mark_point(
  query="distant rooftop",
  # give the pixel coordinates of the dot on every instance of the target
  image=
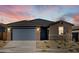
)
(75, 27)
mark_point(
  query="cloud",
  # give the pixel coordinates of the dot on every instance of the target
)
(16, 12)
(49, 12)
(76, 19)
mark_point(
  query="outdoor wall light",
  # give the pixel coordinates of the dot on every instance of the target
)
(38, 29)
(9, 29)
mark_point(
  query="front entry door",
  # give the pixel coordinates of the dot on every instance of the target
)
(44, 34)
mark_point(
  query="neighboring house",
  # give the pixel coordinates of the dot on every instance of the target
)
(3, 33)
(29, 30)
(75, 33)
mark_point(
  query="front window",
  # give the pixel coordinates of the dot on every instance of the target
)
(60, 30)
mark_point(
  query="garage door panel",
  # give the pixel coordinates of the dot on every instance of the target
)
(23, 34)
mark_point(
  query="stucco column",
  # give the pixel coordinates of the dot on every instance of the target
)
(37, 37)
(8, 33)
(5, 36)
(37, 33)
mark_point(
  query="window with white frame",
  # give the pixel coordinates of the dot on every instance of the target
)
(60, 30)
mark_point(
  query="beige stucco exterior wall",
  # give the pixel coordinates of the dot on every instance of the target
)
(38, 42)
(4, 36)
(37, 31)
(4, 41)
(8, 34)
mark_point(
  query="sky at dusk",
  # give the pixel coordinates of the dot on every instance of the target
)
(13, 13)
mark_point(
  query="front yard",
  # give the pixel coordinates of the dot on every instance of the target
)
(40, 46)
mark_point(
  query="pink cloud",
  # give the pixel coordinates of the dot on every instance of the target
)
(16, 12)
(76, 19)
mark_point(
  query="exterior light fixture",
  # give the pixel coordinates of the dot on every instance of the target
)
(9, 29)
(38, 29)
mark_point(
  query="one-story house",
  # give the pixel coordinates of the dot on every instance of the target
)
(38, 30)
(75, 33)
(29, 30)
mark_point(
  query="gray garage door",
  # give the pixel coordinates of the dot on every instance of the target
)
(23, 34)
